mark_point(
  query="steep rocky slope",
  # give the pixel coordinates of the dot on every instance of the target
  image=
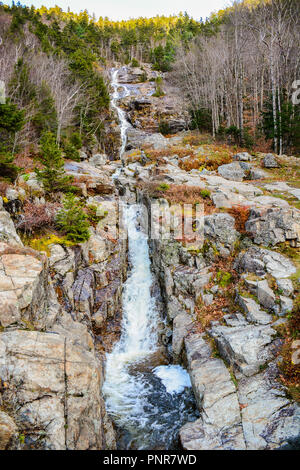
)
(52, 310)
(226, 297)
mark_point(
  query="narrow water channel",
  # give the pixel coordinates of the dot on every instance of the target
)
(124, 124)
(148, 399)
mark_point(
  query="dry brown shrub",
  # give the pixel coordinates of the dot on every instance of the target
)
(241, 215)
(196, 139)
(3, 187)
(26, 163)
(179, 194)
(37, 216)
(181, 152)
(289, 353)
(224, 298)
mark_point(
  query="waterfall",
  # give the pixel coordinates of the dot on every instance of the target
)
(148, 401)
(124, 124)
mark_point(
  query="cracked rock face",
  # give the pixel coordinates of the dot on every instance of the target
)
(24, 291)
(232, 171)
(55, 388)
(8, 430)
(8, 232)
(270, 421)
(219, 426)
(260, 261)
(244, 347)
(270, 226)
(251, 413)
(221, 229)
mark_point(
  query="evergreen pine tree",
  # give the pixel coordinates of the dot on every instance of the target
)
(72, 220)
(53, 175)
(11, 121)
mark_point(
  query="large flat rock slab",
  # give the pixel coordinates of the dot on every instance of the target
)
(56, 388)
(219, 426)
(23, 286)
(244, 347)
(270, 420)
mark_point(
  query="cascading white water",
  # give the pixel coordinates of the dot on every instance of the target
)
(142, 403)
(148, 403)
(124, 124)
(139, 337)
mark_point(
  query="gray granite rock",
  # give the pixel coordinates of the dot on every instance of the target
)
(219, 426)
(232, 171)
(270, 161)
(269, 420)
(254, 314)
(244, 347)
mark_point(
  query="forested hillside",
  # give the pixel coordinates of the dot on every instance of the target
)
(236, 69)
(53, 65)
(240, 81)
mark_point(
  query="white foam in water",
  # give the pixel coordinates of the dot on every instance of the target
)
(124, 124)
(174, 378)
(139, 332)
(137, 401)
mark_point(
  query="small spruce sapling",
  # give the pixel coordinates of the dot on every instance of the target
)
(72, 220)
(53, 175)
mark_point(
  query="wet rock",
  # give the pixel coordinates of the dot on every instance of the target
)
(270, 161)
(201, 436)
